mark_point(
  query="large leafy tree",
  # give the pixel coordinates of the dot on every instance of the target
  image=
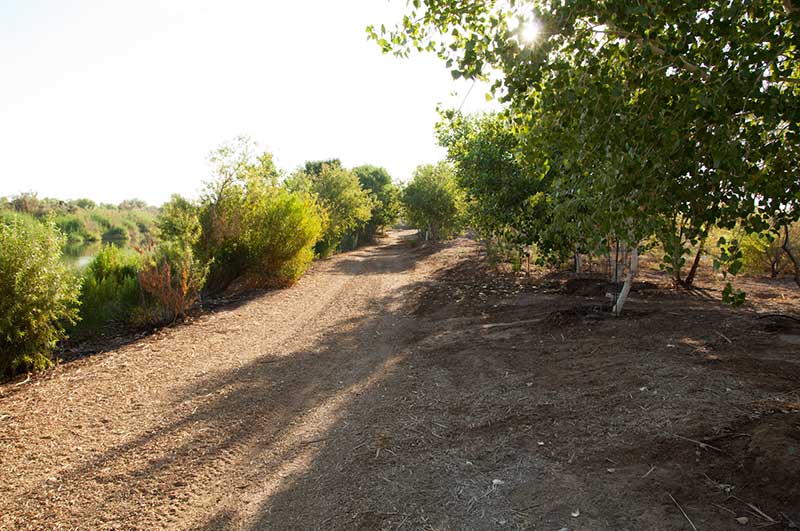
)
(654, 117)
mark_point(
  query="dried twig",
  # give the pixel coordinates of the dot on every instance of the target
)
(724, 508)
(313, 441)
(649, 471)
(723, 336)
(678, 505)
(758, 512)
(701, 444)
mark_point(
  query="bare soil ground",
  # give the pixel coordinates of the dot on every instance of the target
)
(401, 387)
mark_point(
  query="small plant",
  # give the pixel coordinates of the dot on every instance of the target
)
(38, 295)
(171, 280)
(110, 290)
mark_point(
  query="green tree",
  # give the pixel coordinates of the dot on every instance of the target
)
(386, 197)
(658, 118)
(240, 174)
(433, 202)
(132, 204)
(179, 221)
(314, 167)
(348, 206)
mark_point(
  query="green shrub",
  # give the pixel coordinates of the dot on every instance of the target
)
(74, 227)
(110, 290)
(281, 230)
(249, 226)
(179, 221)
(763, 253)
(38, 295)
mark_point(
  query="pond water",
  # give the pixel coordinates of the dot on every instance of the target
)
(78, 256)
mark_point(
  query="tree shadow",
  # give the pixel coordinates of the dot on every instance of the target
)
(268, 412)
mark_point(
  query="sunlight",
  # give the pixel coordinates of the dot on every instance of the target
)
(531, 31)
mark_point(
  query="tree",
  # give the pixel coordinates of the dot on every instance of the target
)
(314, 167)
(178, 221)
(338, 191)
(433, 202)
(660, 118)
(385, 194)
(132, 204)
(238, 173)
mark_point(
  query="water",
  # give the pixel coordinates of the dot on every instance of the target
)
(78, 255)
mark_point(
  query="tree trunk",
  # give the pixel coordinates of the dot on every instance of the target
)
(578, 264)
(791, 256)
(693, 271)
(626, 288)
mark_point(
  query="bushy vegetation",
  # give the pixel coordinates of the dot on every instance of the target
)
(38, 294)
(433, 202)
(282, 228)
(110, 290)
(251, 227)
(348, 206)
(171, 279)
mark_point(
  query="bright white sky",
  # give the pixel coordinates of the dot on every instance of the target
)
(119, 99)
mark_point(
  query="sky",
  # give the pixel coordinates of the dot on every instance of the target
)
(117, 99)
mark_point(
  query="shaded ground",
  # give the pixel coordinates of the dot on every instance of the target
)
(408, 388)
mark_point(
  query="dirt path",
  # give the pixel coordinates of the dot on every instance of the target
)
(207, 420)
(402, 388)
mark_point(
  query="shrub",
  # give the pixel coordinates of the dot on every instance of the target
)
(178, 221)
(764, 253)
(239, 177)
(74, 227)
(110, 290)
(38, 295)
(250, 227)
(171, 279)
(281, 230)
(116, 234)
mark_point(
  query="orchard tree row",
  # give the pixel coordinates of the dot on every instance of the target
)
(624, 122)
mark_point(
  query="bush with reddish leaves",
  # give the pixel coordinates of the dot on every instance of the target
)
(171, 280)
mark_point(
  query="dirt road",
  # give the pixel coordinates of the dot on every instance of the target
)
(394, 389)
